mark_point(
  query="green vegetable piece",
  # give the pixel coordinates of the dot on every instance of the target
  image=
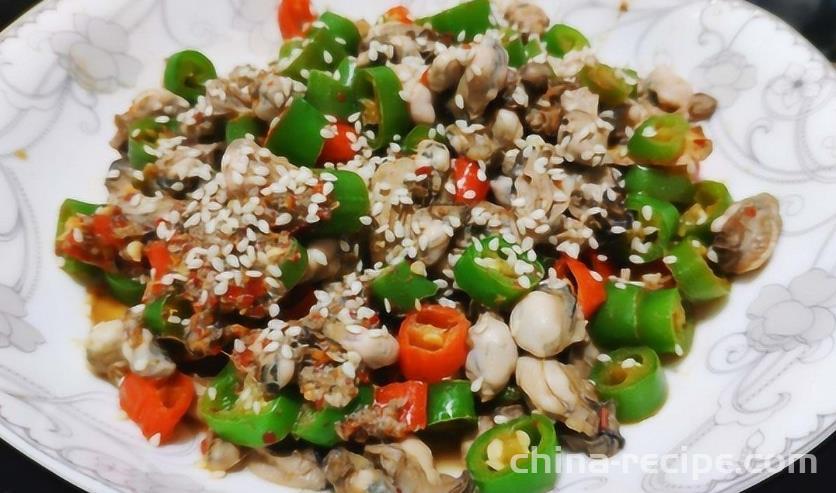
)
(513, 44)
(417, 135)
(158, 313)
(657, 214)
(124, 289)
(320, 51)
(402, 287)
(486, 276)
(186, 74)
(511, 394)
(662, 323)
(342, 29)
(450, 401)
(347, 72)
(612, 87)
(294, 266)
(143, 135)
(533, 477)
(634, 379)
(70, 208)
(659, 140)
(470, 18)
(662, 184)
(331, 97)
(289, 46)
(235, 423)
(239, 128)
(319, 427)
(633, 316)
(352, 198)
(694, 277)
(85, 274)
(379, 91)
(297, 134)
(561, 39)
(616, 323)
(711, 199)
(533, 48)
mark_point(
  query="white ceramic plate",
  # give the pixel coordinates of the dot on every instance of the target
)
(759, 378)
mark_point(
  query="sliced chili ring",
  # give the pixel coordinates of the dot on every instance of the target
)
(634, 379)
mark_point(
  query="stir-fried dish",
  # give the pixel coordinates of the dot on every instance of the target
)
(462, 226)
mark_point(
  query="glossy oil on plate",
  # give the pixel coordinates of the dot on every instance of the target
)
(758, 381)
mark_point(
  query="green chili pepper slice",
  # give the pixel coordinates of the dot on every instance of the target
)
(511, 394)
(186, 74)
(320, 51)
(239, 423)
(450, 402)
(85, 274)
(517, 57)
(533, 48)
(617, 321)
(143, 135)
(351, 197)
(634, 379)
(70, 208)
(295, 264)
(289, 46)
(319, 426)
(470, 18)
(345, 32)
(662, 323)
(670, 186)
(659, 140)
(239, 128)
(711, 199)
(124, 289)
(347, 72)
(657, 214)
(561, 39)
(486, 275)
(497, 475)
(330, 96)
(157, 314)
(694, 277)
(384, 111)
(417, 135)
(402, 287)
(612, 88)
(297, 134)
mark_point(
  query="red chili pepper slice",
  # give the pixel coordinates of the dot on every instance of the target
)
(433, 343)
(156, 405)
(399, 13)
(338, 149)
(414, 410)
(471, 183)
(295, 17)
(591, 292)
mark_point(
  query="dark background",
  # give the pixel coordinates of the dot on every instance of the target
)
(816, 19)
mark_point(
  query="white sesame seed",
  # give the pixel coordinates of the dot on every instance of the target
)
(155, 439)
(476, 385)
